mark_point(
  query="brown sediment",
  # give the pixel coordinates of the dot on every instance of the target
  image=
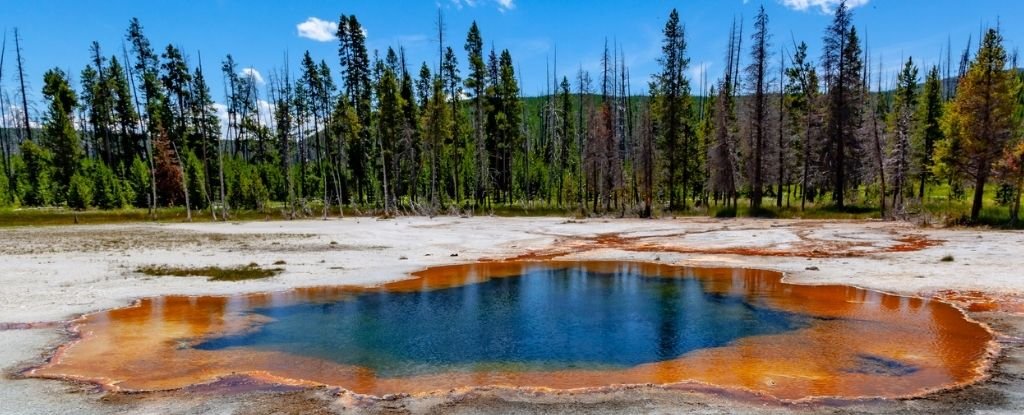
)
(978, 301)
(31, 326)
(808, 246)
(147, 346)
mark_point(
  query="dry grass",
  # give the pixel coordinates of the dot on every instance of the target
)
(238, 273)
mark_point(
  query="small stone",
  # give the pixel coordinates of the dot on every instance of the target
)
(403, 258)
(811, 268)
(455, 254)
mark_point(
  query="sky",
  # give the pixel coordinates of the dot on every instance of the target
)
(261, 34)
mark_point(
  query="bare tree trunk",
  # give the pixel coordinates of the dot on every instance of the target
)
(782, 120)
(184, 181)
(4, 137)
(145, 133)
(21, 80)
(878, 154)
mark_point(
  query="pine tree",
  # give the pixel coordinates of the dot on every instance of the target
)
(900, 123)
(60, 136)
(476, 88)
(802, 97)
(928, 130)
(355, 64)
(98, 100)
(453, 89)
(674, 108)
(842, 64)
(176, 79)
(389, 124)
(125, 118)
(981, 115)
(313, 83)
(565, 131)
(757, 74)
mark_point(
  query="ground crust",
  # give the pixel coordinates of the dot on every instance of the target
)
(53, 274)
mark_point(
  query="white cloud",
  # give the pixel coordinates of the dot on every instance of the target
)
(826, 6)
(697, 72)
(504, 5)
(16, 115)
(317, 29)
(265, 108)
(222, 115)
(256, 76)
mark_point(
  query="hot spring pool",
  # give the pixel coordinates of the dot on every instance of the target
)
(562, 325)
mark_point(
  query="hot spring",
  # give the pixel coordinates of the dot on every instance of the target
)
(561, 325)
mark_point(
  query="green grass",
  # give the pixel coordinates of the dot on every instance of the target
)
(64, 216)
(238, 273)
(936, 208)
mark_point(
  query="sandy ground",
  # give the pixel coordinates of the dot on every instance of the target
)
(50, 275)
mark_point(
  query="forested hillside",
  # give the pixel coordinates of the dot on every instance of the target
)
(367, 131)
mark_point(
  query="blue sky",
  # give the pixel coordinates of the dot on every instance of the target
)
(57, 33)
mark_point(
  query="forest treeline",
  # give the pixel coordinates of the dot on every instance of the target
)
(778, 128)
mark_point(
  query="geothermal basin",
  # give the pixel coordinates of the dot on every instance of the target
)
(541, 324)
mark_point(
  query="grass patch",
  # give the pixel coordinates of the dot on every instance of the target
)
(49, 216)
(239, 273)
(940, 206)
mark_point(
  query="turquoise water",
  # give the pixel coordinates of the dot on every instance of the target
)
(543, 319)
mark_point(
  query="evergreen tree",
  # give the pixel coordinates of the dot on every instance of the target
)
(389, 124)
(476, 89)
(60, 136)
(801, 104)
(98, 100)
(38, 161)
(928, 130)
(757, 74)
(125, 118)
(355, 64)
(842, 65)
(674, 111)
(453, 88)
(900, 123)
(176, 79)
(981, 116)
(567, 144)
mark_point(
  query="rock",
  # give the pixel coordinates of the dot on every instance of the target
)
(811, 268)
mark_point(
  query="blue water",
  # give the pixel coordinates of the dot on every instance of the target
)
(544, 319)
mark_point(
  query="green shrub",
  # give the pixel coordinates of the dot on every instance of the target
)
(138, 181)
(196, 179)
(80, 192)
(41, 189)
(274, 180)
(5, 188)
(246, 189)
(107, 188)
